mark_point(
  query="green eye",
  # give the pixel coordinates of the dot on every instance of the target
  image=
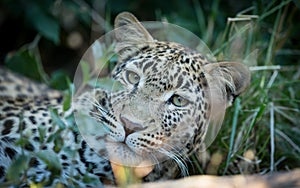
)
(178, 101)
(132, 77)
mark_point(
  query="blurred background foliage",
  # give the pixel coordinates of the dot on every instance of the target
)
(62, 30)
(45, 40)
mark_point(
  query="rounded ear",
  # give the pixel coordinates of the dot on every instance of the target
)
(129, 33)
(231, 77)
(128, 28)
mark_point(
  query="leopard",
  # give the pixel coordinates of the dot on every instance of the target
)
(171, 95)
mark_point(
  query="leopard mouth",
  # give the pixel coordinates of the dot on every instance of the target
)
(121, 153)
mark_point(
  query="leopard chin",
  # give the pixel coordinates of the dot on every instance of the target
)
(121, 154)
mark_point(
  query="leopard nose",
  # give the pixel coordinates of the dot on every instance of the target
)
(130, 126)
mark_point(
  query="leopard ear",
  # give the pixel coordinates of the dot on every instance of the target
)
(129, 32)
(231, 79)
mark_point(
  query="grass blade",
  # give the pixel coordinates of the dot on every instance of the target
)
(237, 105)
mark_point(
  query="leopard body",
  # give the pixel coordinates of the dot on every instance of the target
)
(171, 94)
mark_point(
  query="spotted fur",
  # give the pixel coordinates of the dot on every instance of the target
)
(171, 94)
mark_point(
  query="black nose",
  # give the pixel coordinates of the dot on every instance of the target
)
(130, 126)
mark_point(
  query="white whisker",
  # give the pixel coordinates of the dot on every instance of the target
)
(180, 162)
(177, 157)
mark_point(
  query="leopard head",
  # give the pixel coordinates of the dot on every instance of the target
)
(171, 94)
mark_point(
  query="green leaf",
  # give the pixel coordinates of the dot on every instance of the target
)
(23, 141)
(85, 67)
(42, 133)
(51, 160)
(25, 63)
(58, 144)
(59, 80)
(57, 119)
(53, 136)
(68, 96)
(17, 168)
(43, 22)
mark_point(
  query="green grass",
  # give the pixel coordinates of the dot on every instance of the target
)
(261, 130)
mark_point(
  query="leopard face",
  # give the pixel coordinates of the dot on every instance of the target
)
(170, 96)
(158, 111)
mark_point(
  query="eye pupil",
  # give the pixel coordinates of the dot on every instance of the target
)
(132, 77)
(178, 101)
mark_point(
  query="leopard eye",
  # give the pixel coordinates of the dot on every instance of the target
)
(179, 101)
(132, 77)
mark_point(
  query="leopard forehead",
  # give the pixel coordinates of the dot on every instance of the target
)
(169, 52)
(164, 61)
